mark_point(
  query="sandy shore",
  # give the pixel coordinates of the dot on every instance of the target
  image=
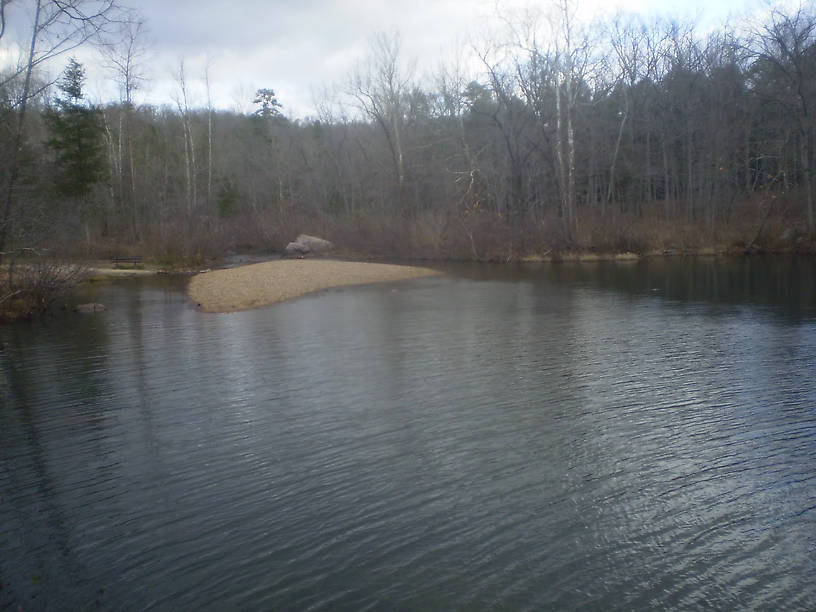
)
(102, 271)
(266, 283)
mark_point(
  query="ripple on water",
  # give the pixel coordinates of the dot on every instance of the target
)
(459, 444)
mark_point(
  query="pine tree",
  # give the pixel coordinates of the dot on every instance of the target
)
(76, 136)
(270, 107)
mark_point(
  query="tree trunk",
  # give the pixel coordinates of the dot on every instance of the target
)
(666, 195)
(804, 154)
(611, 187)
(559, 152)
(571, 205)
(689, 177)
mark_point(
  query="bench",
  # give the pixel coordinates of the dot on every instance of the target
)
(126, 259)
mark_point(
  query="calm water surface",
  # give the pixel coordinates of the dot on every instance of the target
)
(638, 436)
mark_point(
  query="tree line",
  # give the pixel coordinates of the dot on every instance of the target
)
(616, 136)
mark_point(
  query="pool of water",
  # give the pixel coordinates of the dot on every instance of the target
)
(606, 435)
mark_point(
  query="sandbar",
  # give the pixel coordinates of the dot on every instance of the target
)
(263, 284)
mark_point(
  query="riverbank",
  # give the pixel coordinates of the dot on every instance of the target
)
(582, 256)
(99, 272)
(35, 286)
(263, 284)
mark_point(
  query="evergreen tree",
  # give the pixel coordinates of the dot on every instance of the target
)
(76, 136)
(270, 107)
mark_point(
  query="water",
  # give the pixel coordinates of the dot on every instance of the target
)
(632, 436)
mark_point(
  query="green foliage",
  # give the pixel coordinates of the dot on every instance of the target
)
(76, 136)
(227, 197)
(71, 84)
(479, 98)
(270, 107)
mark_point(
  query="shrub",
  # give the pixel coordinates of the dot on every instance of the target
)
(33, 286)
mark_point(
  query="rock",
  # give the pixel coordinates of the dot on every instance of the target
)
(296, 248)
(89, 308)
(305, 244)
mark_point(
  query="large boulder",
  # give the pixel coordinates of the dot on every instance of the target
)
(305, 244)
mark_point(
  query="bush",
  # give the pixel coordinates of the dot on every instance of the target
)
(33, 286)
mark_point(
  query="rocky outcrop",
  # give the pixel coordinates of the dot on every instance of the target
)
(89, 308)
(305, 245)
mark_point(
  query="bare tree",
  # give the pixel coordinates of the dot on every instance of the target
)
(626, 40)
(125, 57)
(571, 58)
(785, 51)
(513, 120)
(189, 145)
(380, 88)
(452, 102)
(209, 135)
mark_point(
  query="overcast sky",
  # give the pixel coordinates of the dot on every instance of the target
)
(300, 47)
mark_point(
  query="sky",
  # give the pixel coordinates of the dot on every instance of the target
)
(305, 48)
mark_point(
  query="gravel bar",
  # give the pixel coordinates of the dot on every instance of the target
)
(262, 284)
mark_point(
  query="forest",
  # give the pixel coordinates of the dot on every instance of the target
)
(558, 138)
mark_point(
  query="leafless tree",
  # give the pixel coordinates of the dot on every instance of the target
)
(190, 168)
(571, 59)
(209, 135)
(126, 57)
(785, 50)
(380, 87)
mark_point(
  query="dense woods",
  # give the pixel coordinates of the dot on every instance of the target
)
(621, 136)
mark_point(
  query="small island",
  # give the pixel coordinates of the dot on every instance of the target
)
(263, 284)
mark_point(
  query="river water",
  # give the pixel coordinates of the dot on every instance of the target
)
(611, 436)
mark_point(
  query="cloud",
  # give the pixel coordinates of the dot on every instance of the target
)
(297, 47)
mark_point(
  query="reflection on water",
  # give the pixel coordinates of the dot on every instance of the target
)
(785, 285)
(636, 436)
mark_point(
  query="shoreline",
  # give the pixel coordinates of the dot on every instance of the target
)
(263, 284)
(99, 270)
(261, 290)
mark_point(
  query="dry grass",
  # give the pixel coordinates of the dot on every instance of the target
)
(266, 283)
(482, 235)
